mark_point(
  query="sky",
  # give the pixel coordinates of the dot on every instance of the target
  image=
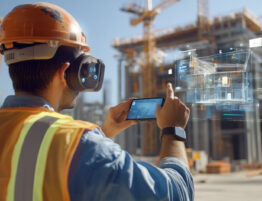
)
(102, 21)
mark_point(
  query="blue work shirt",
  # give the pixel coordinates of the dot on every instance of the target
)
(101, 170)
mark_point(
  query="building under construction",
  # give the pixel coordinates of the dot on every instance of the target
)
(223, 91)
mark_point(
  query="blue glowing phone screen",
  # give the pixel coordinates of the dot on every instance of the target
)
(144, 108)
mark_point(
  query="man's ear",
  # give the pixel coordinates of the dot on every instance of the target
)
(61, 73)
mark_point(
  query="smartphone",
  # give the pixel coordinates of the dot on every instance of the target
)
(144, 109)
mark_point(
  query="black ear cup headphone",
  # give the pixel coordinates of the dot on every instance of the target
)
(85, 73)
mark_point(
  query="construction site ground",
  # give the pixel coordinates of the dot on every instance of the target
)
(228, 187)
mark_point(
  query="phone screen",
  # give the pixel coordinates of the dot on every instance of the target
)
(143, 109)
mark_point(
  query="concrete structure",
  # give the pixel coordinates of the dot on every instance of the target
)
(225, 129)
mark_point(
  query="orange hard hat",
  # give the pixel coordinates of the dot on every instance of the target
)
(41, 23)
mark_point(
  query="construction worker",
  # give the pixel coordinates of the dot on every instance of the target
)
(48, 156)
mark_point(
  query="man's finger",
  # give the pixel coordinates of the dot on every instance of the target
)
(125, 124)
(169, 91)
(123, 106)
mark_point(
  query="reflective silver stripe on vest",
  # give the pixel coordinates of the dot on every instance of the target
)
(28, 157)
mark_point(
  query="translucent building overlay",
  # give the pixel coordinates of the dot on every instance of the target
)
(223, 78)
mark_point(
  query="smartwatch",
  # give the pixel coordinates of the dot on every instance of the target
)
(178, 133)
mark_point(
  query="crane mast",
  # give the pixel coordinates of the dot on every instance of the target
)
(0, 54)
(147, 16)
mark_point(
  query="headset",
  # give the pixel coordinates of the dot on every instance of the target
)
(85, 73)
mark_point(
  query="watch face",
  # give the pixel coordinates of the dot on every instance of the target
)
(180, 133)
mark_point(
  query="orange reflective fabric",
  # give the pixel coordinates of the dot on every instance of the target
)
(59, 158)
(60, 154)
(11, 124)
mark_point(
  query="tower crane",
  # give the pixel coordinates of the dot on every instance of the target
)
(0, 54)
(146, 16)
(0, 57)
(203, 18)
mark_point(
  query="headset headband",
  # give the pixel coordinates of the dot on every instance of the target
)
(36, 52)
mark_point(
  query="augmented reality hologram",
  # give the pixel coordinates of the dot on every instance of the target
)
(223, 78)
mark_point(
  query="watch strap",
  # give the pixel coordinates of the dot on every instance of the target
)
(178, 133)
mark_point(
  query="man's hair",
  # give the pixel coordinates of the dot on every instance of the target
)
(35, 75)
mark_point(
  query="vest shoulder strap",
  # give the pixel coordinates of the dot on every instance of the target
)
(42, 157)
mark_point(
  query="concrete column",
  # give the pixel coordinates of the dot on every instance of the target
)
(120, 139)
(195, 126)
(250, 133)
(120, 61)
(216, 135)
(258, 135)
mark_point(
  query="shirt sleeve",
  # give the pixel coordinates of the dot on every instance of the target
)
(101, 170)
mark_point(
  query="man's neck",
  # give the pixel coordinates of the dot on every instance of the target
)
(25, 100)
(52, 100)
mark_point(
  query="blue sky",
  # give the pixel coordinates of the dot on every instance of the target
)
(102, 21)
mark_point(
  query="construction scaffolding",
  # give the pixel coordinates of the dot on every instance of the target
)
(222, 30)
(218, 129)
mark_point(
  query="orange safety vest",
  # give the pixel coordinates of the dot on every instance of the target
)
(36, 150)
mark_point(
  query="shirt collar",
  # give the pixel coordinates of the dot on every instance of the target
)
(26, 101)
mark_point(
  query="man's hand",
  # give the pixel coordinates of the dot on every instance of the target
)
(116, 119)
(173, 113)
